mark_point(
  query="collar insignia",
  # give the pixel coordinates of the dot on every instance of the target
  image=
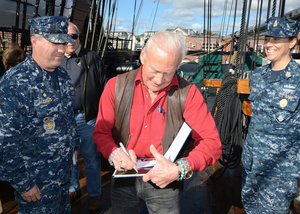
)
(288, 74)
(283, 103)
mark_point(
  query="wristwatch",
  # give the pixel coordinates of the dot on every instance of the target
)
(188, 174)
(188, 171)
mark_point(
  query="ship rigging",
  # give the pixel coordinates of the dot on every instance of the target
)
(236, 49)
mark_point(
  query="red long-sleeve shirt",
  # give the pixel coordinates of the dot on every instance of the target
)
(147, 123)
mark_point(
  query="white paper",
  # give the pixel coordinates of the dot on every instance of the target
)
(178, 142)
(145, 164)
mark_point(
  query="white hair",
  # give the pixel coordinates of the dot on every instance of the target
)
(75, 27)
(168, 41)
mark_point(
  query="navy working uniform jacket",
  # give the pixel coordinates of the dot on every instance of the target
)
(273, 142)
(37, 127)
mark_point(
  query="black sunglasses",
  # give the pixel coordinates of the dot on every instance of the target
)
(74, 36)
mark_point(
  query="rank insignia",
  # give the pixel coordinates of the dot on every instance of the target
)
(283, 103)
(288, 74)
(46, 101)
(49, 125)
(72, 91)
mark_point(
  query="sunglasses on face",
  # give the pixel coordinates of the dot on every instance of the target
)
(74, 36)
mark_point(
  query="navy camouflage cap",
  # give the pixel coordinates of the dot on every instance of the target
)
(282, 27)
(52, 28)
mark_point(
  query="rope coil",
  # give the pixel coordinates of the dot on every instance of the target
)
(228, 118)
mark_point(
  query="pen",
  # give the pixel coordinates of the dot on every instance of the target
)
(160, 110)
(124, 149)
(126, 152)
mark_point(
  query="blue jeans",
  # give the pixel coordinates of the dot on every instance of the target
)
(130, 195)
(91, 158)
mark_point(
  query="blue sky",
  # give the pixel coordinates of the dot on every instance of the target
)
(184, 13)
(170, 14)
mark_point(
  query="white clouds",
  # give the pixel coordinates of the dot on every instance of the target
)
(197, 26)
(181, 4)
(183, 14)
(190, 14)
(121, 21)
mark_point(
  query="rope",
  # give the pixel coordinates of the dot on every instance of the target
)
(233, 28)
(228, 22)
(102, 40)
(223, 19)
(256, 35)
(268, 9)
(228, 118)
(274, 8)
(88, 24)
(112, 9)
(245, 39)
(240, 43)
(209, 12)
(281, 8)
(154, 15)
(204, 23)
(96, 18)
(36, 8)
(136, 21)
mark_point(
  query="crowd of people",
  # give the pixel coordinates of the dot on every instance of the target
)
(57, 103)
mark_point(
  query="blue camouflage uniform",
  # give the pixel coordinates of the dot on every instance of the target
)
(271, 154)
(38, 131)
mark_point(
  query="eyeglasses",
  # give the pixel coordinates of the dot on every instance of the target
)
(74, 36)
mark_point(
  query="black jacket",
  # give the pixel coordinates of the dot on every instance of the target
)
(93, 79)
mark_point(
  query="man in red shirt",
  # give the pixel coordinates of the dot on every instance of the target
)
(144, 109)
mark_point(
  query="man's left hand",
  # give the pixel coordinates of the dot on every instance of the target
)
(164, 172)
(32, 195)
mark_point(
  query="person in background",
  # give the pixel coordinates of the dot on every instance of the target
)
(88, 77)
(37, 125)
(271, 152)
(144, 109)
(12, 56)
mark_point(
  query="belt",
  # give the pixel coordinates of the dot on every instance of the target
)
(78, 111)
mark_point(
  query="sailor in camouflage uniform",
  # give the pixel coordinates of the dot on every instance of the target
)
(271, 154)
(37, 132)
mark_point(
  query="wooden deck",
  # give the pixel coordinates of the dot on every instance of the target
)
(210, 198)
(79, 206)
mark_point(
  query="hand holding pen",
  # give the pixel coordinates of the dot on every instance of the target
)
(124, 149)
(124, 159)
(130, 156)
